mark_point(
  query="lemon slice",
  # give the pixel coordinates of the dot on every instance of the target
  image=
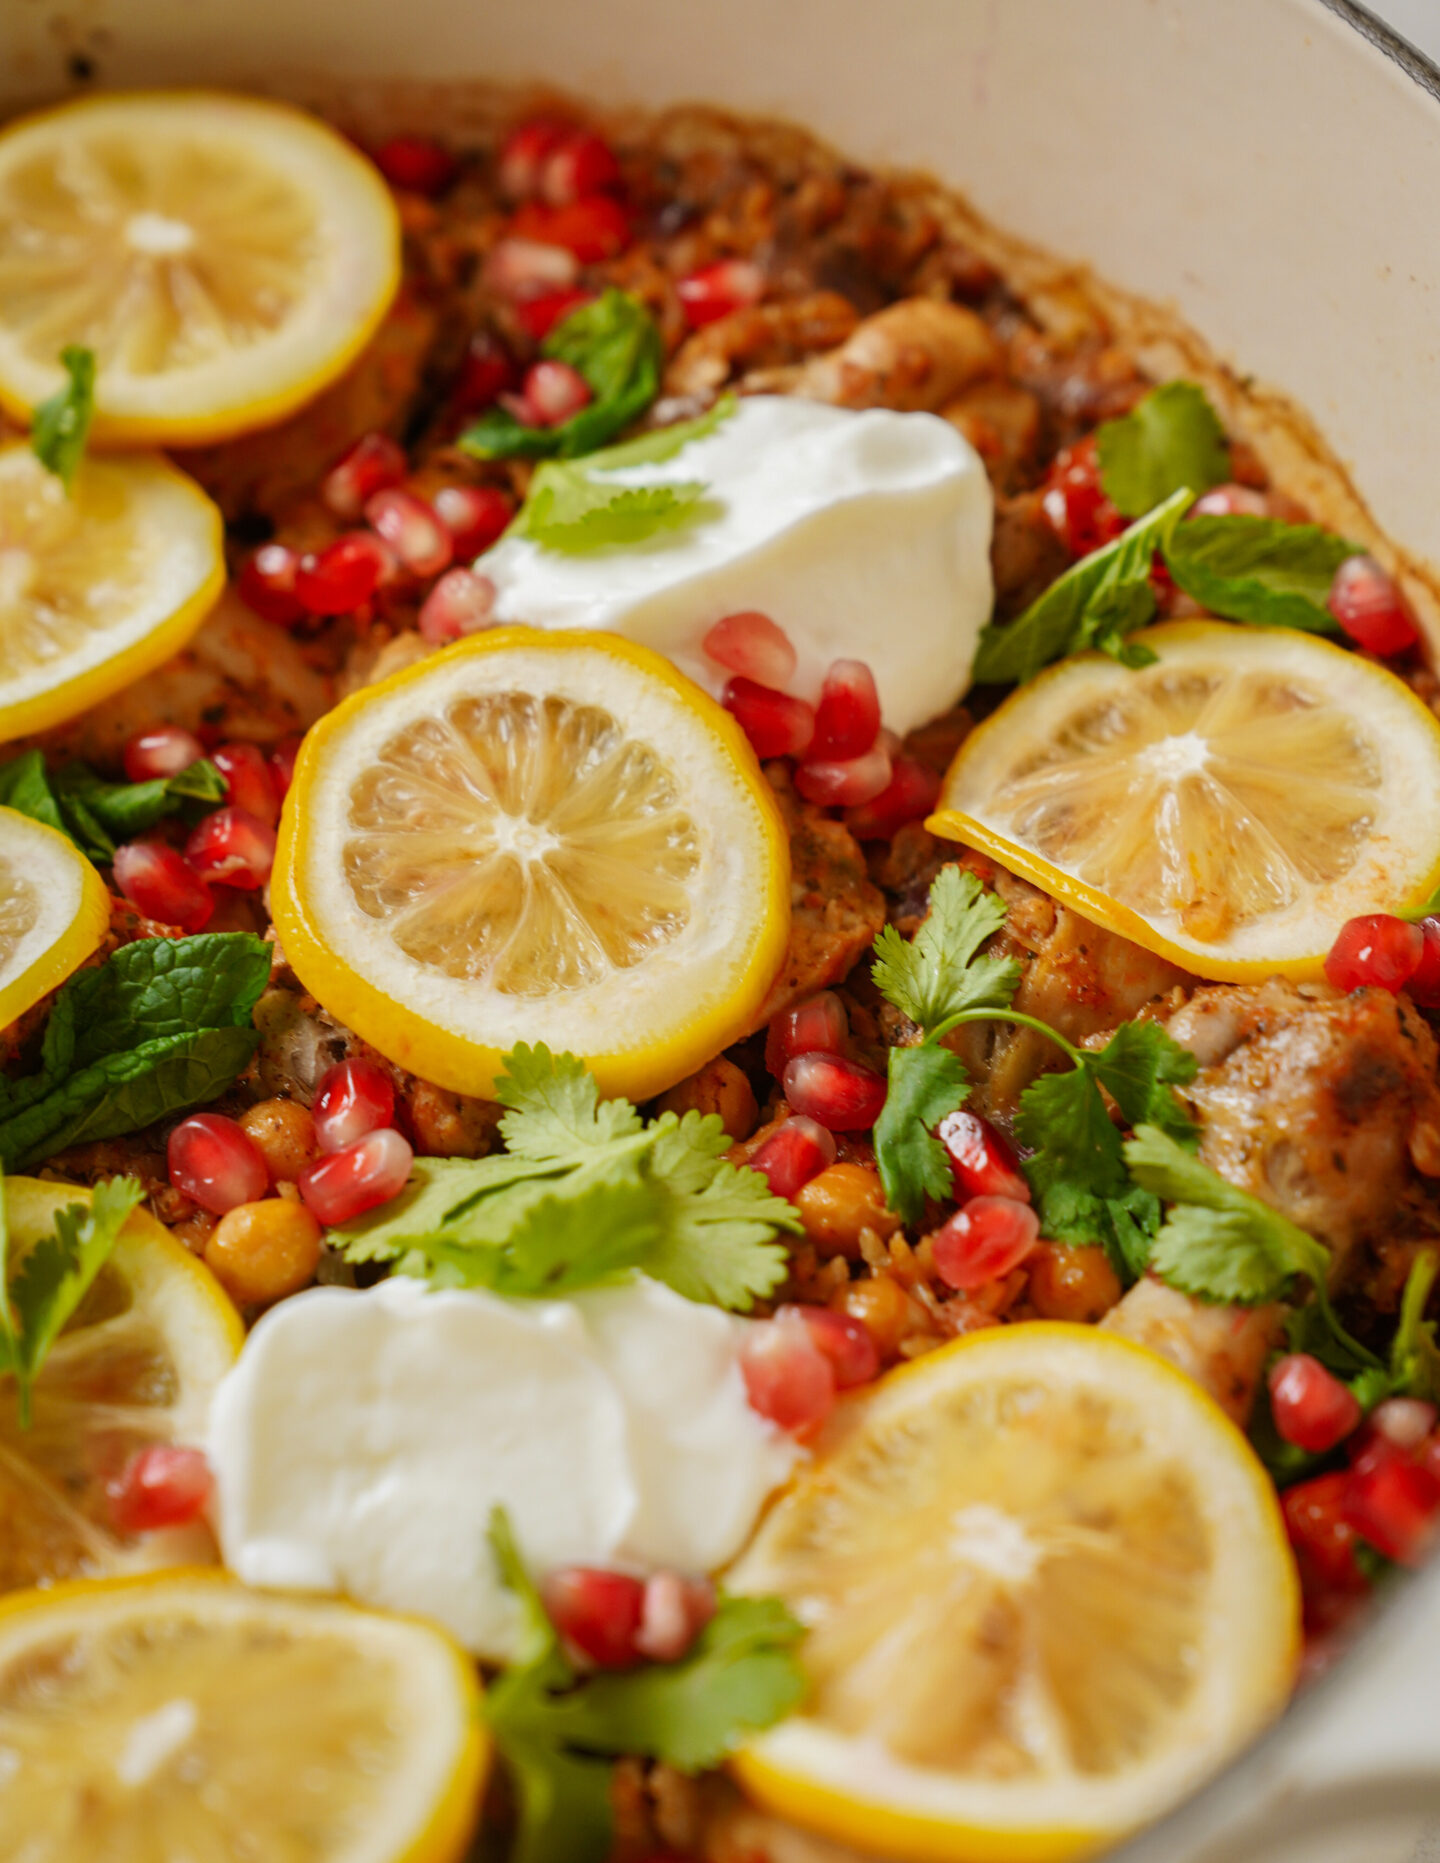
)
(1229, 806)
(224, 257)
(1047, 1590)
(100, 587)
(54, 911)
(534, 837)
(180, 1715)
(137, 1364)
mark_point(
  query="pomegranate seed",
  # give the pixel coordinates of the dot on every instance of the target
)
(845, 1341)
(1312, 1408)
(248, 781)
(158, 883)
(412, 530)
(267, 584)
(232, 847)
(1403, 1421)
(417, 163)
(795, 1151)
(598, 1613)
(372, 464)
(1377, 951)
(984, 1241)
(580, 163)
(523, 154)
(716, 290)
(1429, 1456)
(474, 515)
(1370, 608)
(164, 751)
(460, 603)
(354, 1097)
(843, 1096)
(554, 392)
(530, 268)
(909, 796)
(818, 1024)
(787, 1377)
(342, 575)
(981, 1163)
(847, 719)
(347, 1183)
(848, 784)
(1231, 501)
(1424, 985)
(1318, 1530)
(486, 370)
(776, 724)
(538, 316)
(162, 1486)
(212, 1161)
(1393, 1502)
(675, 1611)
(1074, 501)
(590, 230)
(752, 644)
(282, 765)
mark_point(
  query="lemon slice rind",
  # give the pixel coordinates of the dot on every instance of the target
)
(1395, 869)
(852, 1788)
(425, 1810)
(299, 169)
(164, 540)
(640, 1027)
(47, 881)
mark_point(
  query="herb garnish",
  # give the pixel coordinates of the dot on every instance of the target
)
(559, 1734)
(1259, 570)
(60, 425)
(585, 1192)
(1170, 440)
(96, 814)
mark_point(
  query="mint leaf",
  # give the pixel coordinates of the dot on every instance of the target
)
(926, 1084)
(60, 425)
(937, 975)
(55, 1275)
(1171, 439)
(614, 343)
(1258, 569)
(25, 787)
(95, 814)
(1096, 603)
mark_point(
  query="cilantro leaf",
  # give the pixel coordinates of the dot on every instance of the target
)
(60, 425)
(1138, 1067)
(936, 974)
(614, 343)
(1219, 1243)
(552, 1240)
(1414, 1356)
(663, 444)
(1171, 439)
(1258, 569)
(164, 1024)
(926, 1084)
(555, 1107)
(55, 1275)
(95, 814)
(1097, 602)
(718, 1239)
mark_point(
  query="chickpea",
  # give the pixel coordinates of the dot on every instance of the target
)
(719, 1087)
(838, 1203)
(1071, 1283)
(283, 1133)
(260, 1252)
(882, 1307)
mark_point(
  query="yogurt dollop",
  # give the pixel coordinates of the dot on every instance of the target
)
(865, 535)
(362, 1440)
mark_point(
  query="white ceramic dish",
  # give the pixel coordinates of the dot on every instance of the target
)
(1269, 167)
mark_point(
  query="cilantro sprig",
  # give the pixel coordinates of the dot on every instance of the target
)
(39, 1295)
(96, 814)
(60, 425)
(585, 1192)
(560, 1735)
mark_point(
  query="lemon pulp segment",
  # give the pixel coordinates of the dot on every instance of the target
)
(54, 911)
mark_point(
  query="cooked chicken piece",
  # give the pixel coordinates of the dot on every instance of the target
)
(1222, 1348)
(265, 471)
(1002, 423)
(765, 337)
(239, 676)
(835, 912)
(1322, 1104)
(915, 355)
